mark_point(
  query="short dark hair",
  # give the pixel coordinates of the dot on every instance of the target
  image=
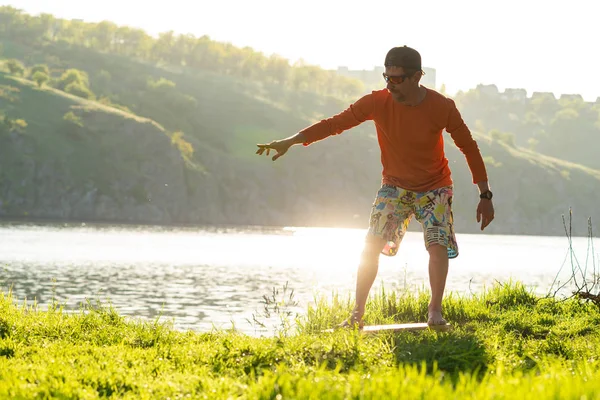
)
(405, 57)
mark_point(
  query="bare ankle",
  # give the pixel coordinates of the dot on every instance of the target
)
(434, 308)
(358, 312)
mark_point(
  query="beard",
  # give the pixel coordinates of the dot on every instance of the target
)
(399, 97)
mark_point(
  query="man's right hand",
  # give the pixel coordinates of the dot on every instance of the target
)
(280, 146)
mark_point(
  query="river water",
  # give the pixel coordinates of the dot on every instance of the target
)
(210, 277)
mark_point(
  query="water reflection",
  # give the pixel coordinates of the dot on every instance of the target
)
(217, 277)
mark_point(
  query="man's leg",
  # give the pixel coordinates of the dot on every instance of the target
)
(438, 271)
(367, 272)
(434, 212)
(387, 223)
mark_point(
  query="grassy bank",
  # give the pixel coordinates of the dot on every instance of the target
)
(507, 343)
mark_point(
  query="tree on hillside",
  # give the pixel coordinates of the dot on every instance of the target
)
(277, 69)
(40, 78)
(40, 68)
(544, 105)
(133, 42)
(163, 86)
(343, 87)
(40, 28)
(10, 125)
(76, 82)
(48, 25)
(181, 47)
(161, 50)
(79, 90)
(15, 67)
(104, 34)
(163, 93)
(75, 32)
(10, 18)
(71, 76)
(198, 53)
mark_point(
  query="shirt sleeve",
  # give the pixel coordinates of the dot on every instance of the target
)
(463, 139)
(354, 115)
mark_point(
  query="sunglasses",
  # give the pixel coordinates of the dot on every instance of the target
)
(394, 79)
(397, 79)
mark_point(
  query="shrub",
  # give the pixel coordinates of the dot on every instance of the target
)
(40, 78)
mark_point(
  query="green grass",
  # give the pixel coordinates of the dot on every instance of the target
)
(507, 343)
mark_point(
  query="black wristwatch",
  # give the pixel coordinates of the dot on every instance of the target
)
(486, 195)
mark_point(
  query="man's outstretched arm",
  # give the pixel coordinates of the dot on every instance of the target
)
(281, 146)
(354, 115)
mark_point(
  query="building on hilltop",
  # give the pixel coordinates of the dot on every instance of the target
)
(369, 78)
(490, 90)
(536, 95)
(576, 97)
(374, 77)
(514, 94)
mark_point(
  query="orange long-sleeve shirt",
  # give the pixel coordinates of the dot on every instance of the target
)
(410, 138)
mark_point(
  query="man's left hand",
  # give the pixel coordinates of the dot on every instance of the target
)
(485, 212)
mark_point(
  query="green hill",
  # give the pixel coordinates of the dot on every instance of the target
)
(155, 142)
(567, 127)
(87, 166)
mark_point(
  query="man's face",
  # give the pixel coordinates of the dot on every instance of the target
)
(398, 83)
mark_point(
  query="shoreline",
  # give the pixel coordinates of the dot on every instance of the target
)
(27, 221)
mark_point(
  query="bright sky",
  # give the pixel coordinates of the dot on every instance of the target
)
(533, 44)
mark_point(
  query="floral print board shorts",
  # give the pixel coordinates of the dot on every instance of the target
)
(394, 207)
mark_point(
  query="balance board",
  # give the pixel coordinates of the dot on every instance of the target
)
(416, 326)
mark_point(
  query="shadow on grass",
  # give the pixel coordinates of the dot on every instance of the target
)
(453, 352)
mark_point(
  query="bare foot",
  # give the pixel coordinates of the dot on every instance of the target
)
(435, 318)
(354, 319)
